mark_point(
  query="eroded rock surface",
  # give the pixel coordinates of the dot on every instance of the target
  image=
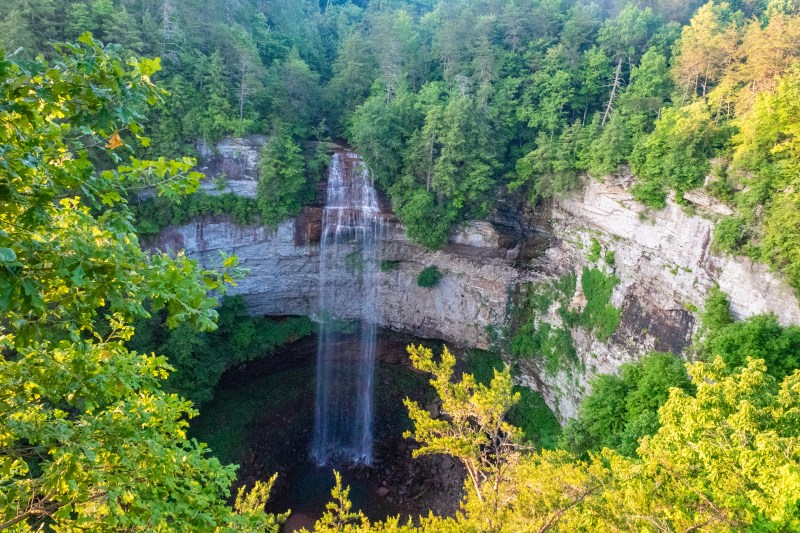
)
(663, 259)
(232, 165)
(666, 267)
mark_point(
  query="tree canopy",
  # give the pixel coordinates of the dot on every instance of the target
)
(89, 438)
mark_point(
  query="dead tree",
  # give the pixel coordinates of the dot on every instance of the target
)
(614, 87)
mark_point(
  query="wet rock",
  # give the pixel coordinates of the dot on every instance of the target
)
(308, 226)
(297, 522)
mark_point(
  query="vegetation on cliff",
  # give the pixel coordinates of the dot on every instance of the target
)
(453, 104)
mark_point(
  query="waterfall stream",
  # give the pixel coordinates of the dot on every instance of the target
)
(352, 227)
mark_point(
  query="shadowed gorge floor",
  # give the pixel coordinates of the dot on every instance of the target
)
(262, 417)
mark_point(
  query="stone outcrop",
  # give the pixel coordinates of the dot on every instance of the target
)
(663, 259)
(282, 278)
(666, 267)
(468, 302)
(232, 165)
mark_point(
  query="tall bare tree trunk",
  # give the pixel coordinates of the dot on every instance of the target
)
(614, 87)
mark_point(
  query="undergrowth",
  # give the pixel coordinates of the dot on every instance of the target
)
(534, 338)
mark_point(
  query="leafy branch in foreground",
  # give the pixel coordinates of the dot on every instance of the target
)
(89, 440)
(474, 428)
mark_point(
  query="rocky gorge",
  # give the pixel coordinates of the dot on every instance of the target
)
(664, 262)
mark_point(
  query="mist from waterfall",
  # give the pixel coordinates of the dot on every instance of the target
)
(352, 227)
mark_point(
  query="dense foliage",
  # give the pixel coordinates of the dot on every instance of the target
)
(200, 358)
(89, 439)
(155, 214)
(623, 408)
(456, 103)
(283, 186)
(758, 337)
(722, 459)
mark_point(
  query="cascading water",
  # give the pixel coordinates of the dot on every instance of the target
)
(351, 229)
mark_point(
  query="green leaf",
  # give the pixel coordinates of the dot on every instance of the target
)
(7, 255)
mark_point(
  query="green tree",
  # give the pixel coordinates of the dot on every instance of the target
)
(623, 408)
(294, 93)
(89, 439)
(248, 71)
(354, 72)
(704, 50)
(759, 336)
(638, 106)
(723, 459)
(78, 20)
(213, 114)
(123, 28)
(676, 154)
(379, 129)
(624, 37)
(31, 24)
(282, 185)
(475, 430)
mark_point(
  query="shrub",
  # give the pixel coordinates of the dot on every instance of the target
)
(386, 265)
(758, 337)
(594, 251)
(429, 277)
(427, 220)
(534, 339)
(730, 235)
(537, 339)
(716, 311)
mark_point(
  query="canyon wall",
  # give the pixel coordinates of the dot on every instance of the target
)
(666, 266)
(663, 260)
(469, 301)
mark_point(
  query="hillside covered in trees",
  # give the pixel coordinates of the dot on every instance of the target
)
(456, 106)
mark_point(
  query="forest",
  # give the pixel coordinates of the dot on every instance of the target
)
(107, 351)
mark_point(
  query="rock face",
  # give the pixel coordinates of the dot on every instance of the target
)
(467, 304)
(666, 267)
(663, 260)
(283, 277)
(232, 165)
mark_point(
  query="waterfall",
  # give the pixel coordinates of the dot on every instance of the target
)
(352, 227)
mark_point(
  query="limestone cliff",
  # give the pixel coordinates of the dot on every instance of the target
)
(665, 265)
(663, 260)
(284, 266)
